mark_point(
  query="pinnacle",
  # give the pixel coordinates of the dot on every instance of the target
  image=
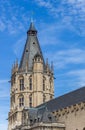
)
(32, 27)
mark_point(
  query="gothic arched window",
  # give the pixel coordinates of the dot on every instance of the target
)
(51, 97)
(30, 101)
(44, 98)
(21, 83)
(50, 81)
(43, 83)
(21, 101)
(30, 83)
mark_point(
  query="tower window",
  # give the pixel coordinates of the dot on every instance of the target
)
(21, 84)
(30, 101)
(44, 98)
(51, 97)
(33, 42)
(30, 83)
(21, 101)
(43, 83)
(50, 81)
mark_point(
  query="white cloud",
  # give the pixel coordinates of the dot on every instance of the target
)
(19, 46)
(69, 12)
(4, 88)
(78, 76)
(2, 26)
(11, 19)
(62, 58)
(3, 81)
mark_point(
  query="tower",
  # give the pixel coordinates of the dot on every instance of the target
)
(32, 81)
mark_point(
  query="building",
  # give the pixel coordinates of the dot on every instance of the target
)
(32, 103)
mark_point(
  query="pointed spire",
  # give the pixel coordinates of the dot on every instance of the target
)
(47, 62)
(32, 29)
(31, 48)
(16, 63)
(47, 65)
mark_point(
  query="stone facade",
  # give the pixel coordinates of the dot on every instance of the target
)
(73, 116)
(32, 81)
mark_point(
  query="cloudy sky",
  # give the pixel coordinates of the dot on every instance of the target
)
(61, 32)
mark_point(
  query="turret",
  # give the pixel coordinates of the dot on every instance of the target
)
(37, 63)
(15, 67)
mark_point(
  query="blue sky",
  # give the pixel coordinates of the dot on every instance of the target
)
(61, 32)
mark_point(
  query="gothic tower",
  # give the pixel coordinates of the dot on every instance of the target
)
(32, 80)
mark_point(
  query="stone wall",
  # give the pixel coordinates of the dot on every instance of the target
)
(72, 116)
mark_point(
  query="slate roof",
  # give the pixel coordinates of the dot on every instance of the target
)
(32, 47)
(72, 98)
(40, 114)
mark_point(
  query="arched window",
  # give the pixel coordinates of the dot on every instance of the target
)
(21, 83)
(51, 97)
(21, 101)
(30, 83)
(50, 81)
(84, 128)
(44, 98)
(43, 83)
(30, 101)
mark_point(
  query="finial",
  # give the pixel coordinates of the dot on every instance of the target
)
(52, 66)
(16, 62)
(47, 65)
(47, 61)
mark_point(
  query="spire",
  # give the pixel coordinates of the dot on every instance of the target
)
(32, 47)
(32, 29)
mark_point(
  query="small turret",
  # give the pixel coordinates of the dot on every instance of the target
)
(38, 63)
(15, 67)
(52, 67)
(47, 66)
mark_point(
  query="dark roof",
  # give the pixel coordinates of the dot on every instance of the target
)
(32, 47)
(40, 114)
(72, 98)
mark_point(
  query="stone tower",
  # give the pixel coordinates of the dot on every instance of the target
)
(32, 80)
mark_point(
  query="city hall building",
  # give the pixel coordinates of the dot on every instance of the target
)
(32, 102)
